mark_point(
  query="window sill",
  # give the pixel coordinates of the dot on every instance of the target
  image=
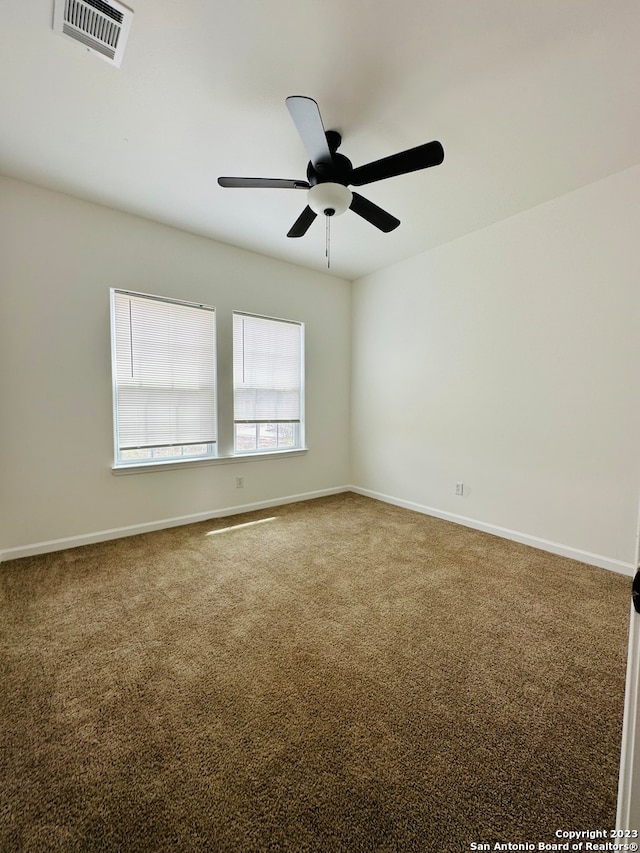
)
(175, 464)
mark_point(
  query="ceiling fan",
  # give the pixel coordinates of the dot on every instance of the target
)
(330, 174)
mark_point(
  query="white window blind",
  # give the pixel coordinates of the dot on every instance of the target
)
(164, 373)
(267, 370)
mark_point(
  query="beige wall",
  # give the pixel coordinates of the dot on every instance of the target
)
(509, 360)
(59, 257)
(506, 360)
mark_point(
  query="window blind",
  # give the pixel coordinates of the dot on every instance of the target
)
(267, 370)
(165, 372)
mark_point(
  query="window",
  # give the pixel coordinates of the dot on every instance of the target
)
(164, 377)
(268, 386)
(165, 383)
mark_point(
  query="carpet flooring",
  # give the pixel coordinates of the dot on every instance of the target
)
(335, 676)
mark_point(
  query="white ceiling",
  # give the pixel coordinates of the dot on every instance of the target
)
(530, 99)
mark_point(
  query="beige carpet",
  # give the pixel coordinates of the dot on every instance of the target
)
(335, 675)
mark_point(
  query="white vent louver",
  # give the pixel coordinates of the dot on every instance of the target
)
(100, 26)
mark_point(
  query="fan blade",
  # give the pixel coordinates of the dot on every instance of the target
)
(421, 157)
(373, 214)
(302, 223)
(266, 183)
(306, 116)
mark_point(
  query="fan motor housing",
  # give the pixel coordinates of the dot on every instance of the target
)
(337, 172)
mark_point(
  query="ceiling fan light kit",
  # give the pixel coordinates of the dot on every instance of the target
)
(329, 198)
(330, 174)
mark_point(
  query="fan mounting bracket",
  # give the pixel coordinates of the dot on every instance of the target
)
(334, 140)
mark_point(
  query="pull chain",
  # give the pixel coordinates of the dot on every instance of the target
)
(328, 241)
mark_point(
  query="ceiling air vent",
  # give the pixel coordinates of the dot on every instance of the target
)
(100, 26)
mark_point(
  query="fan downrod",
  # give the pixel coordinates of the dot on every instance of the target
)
(334, 140)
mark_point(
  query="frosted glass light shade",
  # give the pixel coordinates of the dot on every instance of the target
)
(329, 196)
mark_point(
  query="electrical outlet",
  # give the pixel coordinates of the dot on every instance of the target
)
(459, 488)
(239, 482)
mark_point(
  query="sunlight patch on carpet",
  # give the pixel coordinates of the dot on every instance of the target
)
(241, 526)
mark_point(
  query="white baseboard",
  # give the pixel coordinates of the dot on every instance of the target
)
(147, 527)
(162, 524)
(524, 538)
